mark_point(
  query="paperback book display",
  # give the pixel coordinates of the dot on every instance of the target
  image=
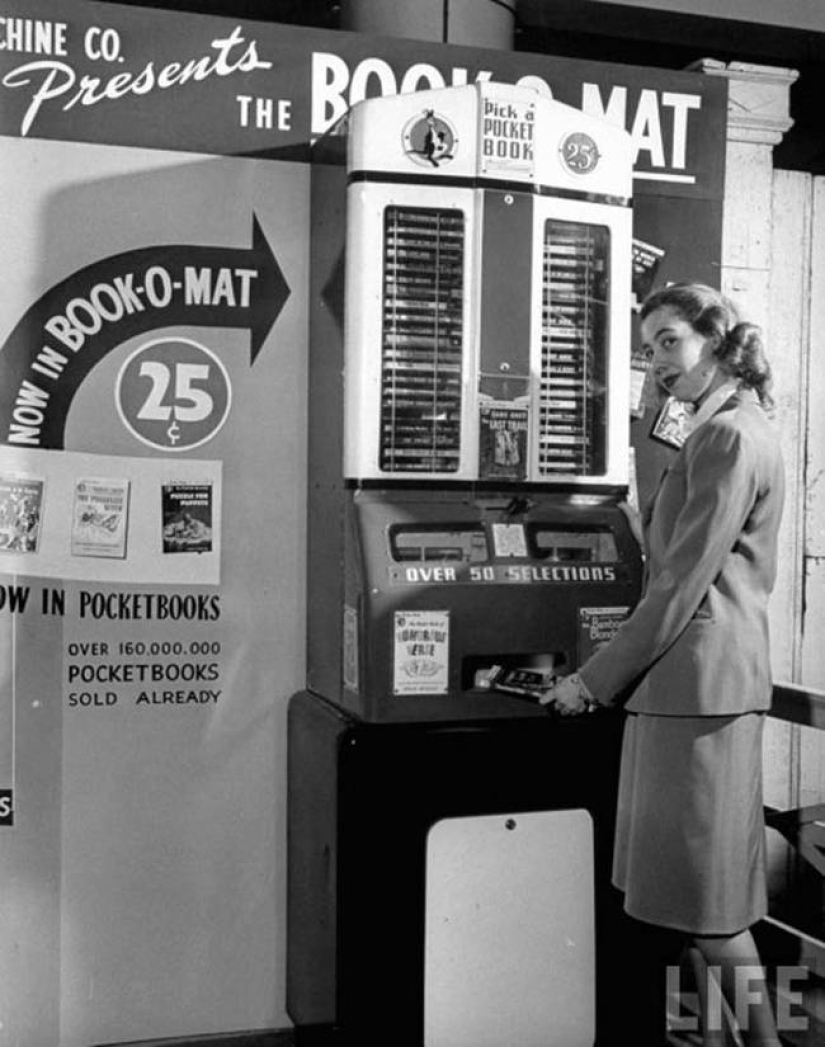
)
(109, 519)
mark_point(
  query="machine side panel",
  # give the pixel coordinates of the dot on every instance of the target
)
(325, 567)
(312, 879)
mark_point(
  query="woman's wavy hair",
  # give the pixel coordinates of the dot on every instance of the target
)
(739, 347)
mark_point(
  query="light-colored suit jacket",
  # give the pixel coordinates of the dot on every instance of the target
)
(697, 642)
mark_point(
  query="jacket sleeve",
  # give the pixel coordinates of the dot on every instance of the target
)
(722, 487)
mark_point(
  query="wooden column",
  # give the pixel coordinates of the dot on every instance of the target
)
(813, 647)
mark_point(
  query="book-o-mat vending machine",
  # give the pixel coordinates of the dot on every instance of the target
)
(449, 837)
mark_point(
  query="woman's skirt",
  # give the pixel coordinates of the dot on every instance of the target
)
(690, 833)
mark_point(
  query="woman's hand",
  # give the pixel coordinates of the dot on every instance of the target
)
(569, 696)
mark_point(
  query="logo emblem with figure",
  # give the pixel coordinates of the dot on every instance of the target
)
(430, 140)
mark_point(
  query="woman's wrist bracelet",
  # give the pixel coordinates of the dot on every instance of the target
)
(586, 695)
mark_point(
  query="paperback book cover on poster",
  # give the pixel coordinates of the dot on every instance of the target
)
(21, 512)
(100, 517)
(187, 516)
(646, 261)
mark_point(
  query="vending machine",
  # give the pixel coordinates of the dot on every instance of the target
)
(450, 837)
(469, 385)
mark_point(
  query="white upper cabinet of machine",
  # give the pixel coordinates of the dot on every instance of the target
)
(488, 290)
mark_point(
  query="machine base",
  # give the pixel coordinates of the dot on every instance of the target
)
(363, 799)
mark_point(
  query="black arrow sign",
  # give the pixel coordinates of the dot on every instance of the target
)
(76, 323)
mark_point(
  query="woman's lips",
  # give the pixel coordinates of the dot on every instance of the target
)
(667, 380)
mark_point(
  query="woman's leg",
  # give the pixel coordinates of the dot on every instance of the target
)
(734, 960)
(717, 1022)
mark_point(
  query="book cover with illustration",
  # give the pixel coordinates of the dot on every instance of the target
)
(502, 438)
(100, 517)
(21, 513)
(187, 517)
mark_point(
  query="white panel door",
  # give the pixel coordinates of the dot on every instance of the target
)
(510, 923)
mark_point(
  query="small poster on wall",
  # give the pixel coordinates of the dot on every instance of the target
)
(21, 511)
(187, 517)
(100, 517)
(646, 261)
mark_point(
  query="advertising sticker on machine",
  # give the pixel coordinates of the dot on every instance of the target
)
(597, 626)
(421, 641)
(507, 136)
(350, 649)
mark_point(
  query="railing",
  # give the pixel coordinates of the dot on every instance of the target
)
(803, 705)
(802, 827)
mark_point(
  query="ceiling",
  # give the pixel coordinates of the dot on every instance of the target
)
(657, 33)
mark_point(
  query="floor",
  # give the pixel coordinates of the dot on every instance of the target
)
(808, 1016)
(813, 1035)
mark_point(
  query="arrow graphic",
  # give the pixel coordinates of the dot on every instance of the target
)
(75, 324)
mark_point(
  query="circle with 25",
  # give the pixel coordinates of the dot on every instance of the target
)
(173, 394)
(580, 153)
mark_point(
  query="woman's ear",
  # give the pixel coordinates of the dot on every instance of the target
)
(710, 350)
(710, 356)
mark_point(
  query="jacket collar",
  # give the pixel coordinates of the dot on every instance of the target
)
(715, 402)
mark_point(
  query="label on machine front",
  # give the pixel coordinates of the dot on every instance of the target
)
(509, 539)
(598, 626)
(463, 555)
(508, 128)
(421, 662)
(350, 667)
(506, 574)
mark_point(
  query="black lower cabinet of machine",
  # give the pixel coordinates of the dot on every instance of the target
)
(405, 837)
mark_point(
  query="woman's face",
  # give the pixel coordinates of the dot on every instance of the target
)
(682, 359)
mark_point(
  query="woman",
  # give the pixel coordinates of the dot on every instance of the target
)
(689, 851)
